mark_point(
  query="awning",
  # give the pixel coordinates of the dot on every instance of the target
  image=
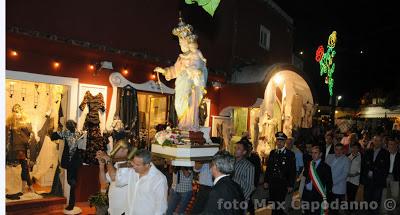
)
(379, 112)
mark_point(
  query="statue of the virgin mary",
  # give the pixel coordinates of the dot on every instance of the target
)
(190, 73)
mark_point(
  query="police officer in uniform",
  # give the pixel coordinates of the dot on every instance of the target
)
(280, 174)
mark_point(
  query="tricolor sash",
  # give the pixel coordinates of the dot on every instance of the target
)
(317, 184)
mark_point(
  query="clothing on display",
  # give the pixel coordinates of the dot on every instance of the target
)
(95, 139)
(13, 180)
(127, 110)
(18, 143)
(46, 129)
(60, 115)
(18, 138)
(172, 117)
(56, 187)
(47, 159)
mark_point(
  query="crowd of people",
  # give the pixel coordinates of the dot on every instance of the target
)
(342, 170)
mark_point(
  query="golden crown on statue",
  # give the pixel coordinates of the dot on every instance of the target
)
(184, 31)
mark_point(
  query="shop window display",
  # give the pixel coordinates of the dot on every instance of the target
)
(33, 110)
(240, 120)
(152, 112)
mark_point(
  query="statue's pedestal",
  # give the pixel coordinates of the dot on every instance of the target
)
(185, 155)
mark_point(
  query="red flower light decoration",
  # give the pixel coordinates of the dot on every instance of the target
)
(319, 53)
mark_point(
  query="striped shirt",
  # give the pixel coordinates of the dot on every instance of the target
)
(244, 176)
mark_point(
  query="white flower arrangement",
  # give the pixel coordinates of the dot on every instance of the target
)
(168, 137)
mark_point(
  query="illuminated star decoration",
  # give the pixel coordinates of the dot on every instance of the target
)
(326, 61)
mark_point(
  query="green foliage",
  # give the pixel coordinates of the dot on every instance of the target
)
(99, 199)
(208, 5)
(168, 143)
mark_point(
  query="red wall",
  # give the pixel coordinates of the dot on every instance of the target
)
(145, 26)
(38, 55)
(136, 25)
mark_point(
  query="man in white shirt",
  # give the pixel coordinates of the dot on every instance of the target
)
(147, 186)
(340, 166)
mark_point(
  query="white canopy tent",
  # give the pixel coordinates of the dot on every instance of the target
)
(379, 112)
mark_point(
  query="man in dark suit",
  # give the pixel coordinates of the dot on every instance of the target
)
(316, 169)
(280, 174)
(255, 159)
(329, 147)
(307, 158)
(374, 171)
(226, 196)
(392, 181)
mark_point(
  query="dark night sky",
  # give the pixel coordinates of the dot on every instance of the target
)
(370, 26)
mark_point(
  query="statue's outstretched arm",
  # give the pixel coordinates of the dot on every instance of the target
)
(170, 72)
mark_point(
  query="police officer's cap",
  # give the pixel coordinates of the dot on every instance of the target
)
(280, 135)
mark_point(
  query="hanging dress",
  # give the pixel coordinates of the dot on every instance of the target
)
(95, 139)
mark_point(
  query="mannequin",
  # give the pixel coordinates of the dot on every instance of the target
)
(19, 136)
(71, 159)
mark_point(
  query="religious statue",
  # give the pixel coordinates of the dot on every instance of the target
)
(190, 73)
(308, 109)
